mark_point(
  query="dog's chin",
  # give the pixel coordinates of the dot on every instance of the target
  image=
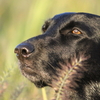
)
(31, 75)
(40, 84)
(35, 79)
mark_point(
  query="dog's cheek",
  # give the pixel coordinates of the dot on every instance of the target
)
(46, 69)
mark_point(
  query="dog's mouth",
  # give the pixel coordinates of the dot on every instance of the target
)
(67, 77)
(26, 68)
(31, 74)
(29, 69)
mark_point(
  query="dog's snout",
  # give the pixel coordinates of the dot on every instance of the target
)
(24, 49)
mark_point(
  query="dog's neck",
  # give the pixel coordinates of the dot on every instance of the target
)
(90, 91)
(70, 80)
(70, 84)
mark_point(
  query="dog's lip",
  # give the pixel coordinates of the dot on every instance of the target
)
(26, 68)
(24, 65)
(19, 57)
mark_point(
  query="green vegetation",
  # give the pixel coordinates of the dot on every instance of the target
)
(20, 20)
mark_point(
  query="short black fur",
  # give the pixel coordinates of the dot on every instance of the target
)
(68, 49)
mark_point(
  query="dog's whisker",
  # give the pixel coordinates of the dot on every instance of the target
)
(51, 65)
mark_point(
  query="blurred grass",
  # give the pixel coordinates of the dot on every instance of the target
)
(20, 20)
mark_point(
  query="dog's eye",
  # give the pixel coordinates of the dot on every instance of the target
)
(76, 31)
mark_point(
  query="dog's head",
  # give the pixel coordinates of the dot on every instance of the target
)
(70, 44)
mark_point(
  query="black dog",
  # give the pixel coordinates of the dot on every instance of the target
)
(66, 56)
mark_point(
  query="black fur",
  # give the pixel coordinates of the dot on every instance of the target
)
(64, 56)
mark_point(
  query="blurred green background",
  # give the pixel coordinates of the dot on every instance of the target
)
(20, 20)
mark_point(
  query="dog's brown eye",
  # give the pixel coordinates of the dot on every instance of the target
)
(76, 31)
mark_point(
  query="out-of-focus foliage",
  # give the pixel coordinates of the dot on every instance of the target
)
(20, 20)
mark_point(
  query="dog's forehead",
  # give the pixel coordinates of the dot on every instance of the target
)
(75, 16)
(63, 19)
(86, 18)
(62, 15)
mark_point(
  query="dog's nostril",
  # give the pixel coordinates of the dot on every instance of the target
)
(24, 49)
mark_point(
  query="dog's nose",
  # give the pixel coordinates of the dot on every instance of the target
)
(24, 49)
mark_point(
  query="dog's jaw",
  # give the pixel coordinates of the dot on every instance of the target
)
(67, 83)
